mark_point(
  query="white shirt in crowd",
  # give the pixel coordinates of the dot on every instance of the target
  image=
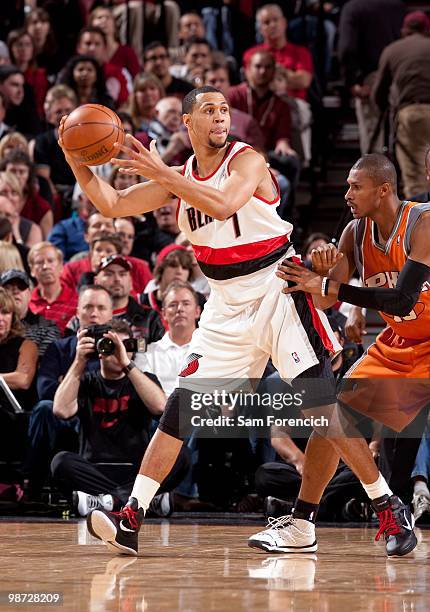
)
(165, 359)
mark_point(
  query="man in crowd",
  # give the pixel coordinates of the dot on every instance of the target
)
(94, 308)
(50, 163)
(173, 143)
(69, 234)
(366, 27)
(82, 271)
(404, 67)
(51, 297)
(256, 98)
(243, 126)
(115, 405)
(165, 358)
(297, 60)
(37, 328)
(156, 60)
(198, 57)
(114, 274)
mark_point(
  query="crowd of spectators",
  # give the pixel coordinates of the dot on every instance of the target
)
(65, 267)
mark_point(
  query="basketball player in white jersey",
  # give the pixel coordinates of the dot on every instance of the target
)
(227, 210)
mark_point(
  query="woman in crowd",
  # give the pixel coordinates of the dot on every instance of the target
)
(84, 75)
(47, 52)
(25, 231)
(36, 208)
(11, 142)
(18, 356)
(147, 91)
(174, 262)
(22, 54)
(122, 56)
(10, 259)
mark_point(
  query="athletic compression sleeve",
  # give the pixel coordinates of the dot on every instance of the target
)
(398, 301)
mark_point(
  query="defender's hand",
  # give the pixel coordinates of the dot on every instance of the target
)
(324, 258)
(305, 279)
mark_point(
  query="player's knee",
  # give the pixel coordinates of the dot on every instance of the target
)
(170, 422)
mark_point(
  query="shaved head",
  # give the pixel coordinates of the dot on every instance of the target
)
(378, 168)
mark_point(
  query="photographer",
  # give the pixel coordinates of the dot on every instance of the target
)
(115, 406)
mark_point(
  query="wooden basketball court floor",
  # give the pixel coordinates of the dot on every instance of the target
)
(197, 567)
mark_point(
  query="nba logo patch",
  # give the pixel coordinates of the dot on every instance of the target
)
(398, 240)
(295, 357)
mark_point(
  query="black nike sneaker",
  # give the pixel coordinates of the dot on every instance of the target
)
(119, 530)
(396, 523)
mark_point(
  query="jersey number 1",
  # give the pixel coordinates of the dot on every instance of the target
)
(236, 226)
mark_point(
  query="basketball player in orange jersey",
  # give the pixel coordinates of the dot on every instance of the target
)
(387, 242)
(228, 212)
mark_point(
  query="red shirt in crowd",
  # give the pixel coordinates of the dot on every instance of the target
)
(38, 81)
(35, 207)
(271, 113)
(292, 57)
(140, 273)
(60, 310)
(125, 57)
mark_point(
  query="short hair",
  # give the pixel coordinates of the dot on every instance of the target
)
(114, 239)
(58, 92)
(265, 54)
(311, 238)
(94, 288)
(266, 7)
(379, 168)
(41, 246)
(196, 40)
(152, 45)
(90, 216)
(11, 140)
(176, 258)
(13, 181)
(8, 70)
(190, 99)
(120, 326)
(176, 285)
(92, 30)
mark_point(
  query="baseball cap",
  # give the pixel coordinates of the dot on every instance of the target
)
(15, 275)
(114, 259)
(168, 249)
(417, 18)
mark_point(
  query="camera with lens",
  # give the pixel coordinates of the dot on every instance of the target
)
(106, 346)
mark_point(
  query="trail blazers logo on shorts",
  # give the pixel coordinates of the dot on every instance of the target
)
(192, 366)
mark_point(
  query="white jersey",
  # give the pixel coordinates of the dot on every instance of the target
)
(241, 252)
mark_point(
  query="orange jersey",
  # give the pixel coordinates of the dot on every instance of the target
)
(379, 266)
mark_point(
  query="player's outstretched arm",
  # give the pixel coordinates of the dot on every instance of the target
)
(110, 202)
(247, 171)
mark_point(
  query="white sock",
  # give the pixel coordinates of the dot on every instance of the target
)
(378, 488)
(107, 501)
(421, 488)
(144, 489)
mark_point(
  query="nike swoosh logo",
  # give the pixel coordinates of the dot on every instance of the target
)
(124, 528)
(408, 526)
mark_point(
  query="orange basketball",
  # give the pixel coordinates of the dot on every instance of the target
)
(90, 133)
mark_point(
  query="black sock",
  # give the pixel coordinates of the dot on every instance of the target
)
(305, 510)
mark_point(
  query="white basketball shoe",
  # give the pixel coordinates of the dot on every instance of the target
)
(286, 534)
